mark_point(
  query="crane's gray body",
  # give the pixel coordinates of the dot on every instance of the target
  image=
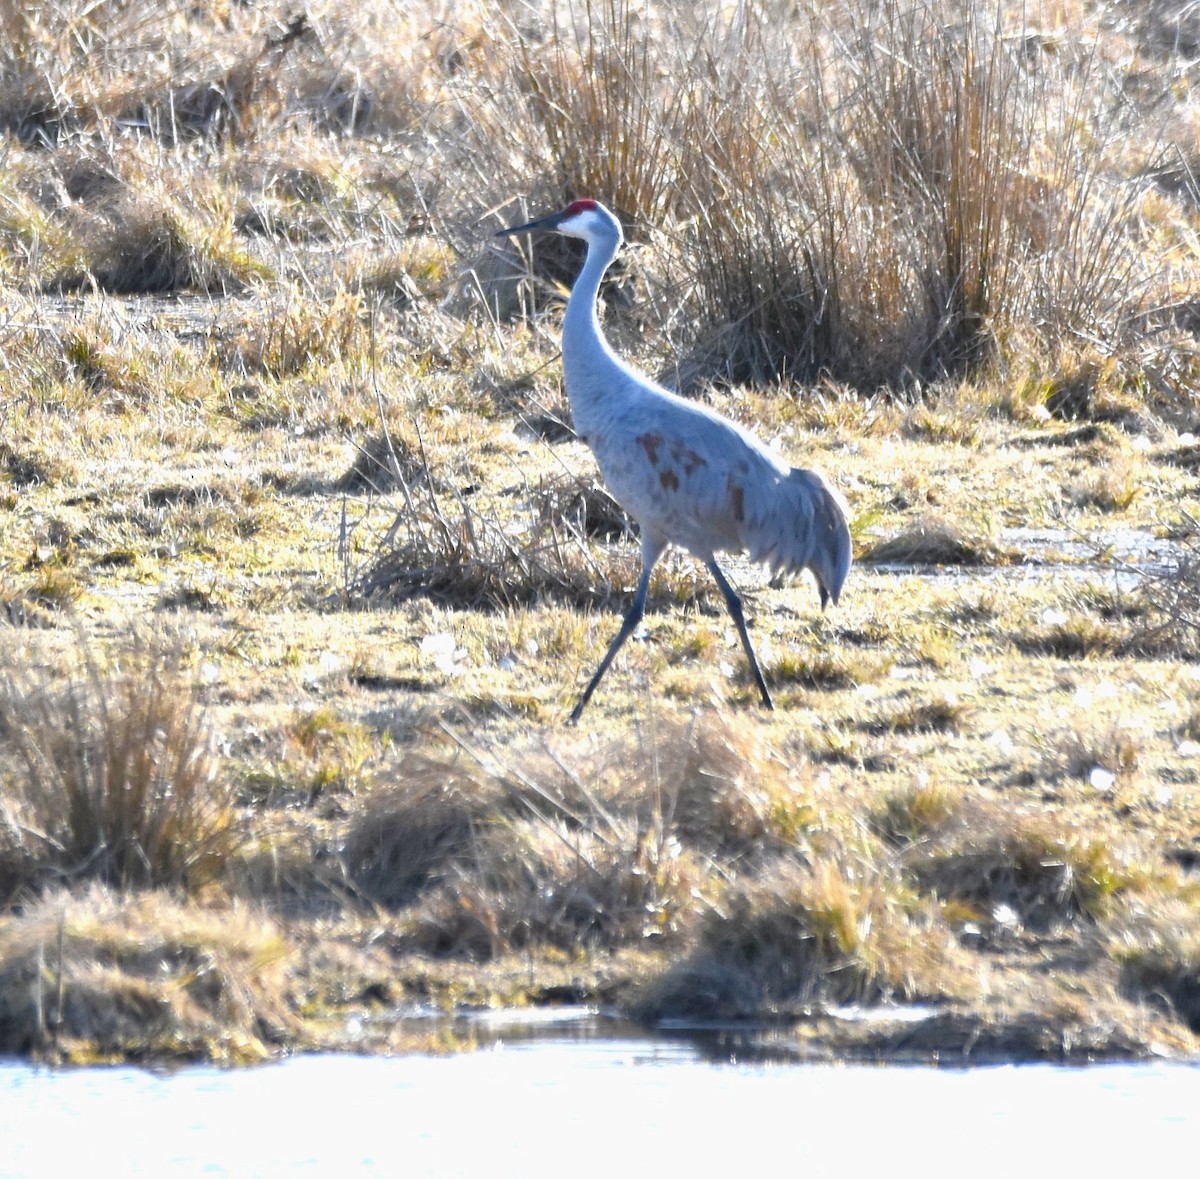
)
(689, 476)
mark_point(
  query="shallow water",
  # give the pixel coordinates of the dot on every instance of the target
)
(556, 1103)
(1123, 555)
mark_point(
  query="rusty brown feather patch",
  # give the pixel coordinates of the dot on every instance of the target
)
(687, 458)
(650, 444)
(737, 497)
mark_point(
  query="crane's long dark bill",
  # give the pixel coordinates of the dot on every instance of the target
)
(541, 223)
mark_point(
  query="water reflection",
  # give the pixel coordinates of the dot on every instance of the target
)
(570, 1024)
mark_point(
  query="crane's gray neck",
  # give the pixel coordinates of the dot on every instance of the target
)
(588, 362)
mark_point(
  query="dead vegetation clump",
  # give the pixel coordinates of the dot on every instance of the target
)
(35, 107)
(136, 244)
(550, 884)
(586, 505)
(458, 552)
(25, 467)
(385, 462)
(934, 541)
(914, 814)
(801, 938)
(1008, 873)
(1096, 741)
(1170, 598)
(112, 772)
(95, 977)
(714, 787)
(943, 714)
(488, 863)
(229, 103)
(288, 333)
(1159, 954)
(602, 851)
(411, 834)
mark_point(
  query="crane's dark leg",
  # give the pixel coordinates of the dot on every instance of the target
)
(632, 618)
(735, 608)
(651, 551)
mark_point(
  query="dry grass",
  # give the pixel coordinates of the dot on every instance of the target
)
(1160, 962)
(934, 541)
(445, 547)
(939, 192)
(266, 375)
(1019, 874)
(93, 977)
(1170, 598)
(597, 851)
(801, 938)
(113, 773)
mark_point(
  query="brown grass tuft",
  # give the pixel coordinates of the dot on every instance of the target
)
(140, 244)
(464, 552)
(915, 813)
(1160, 963)
(605, 849)
(933, 541)
(799, 938)
(97, 977)
(1170, 598)
(1016, 872)
(290, 333)
(411, 834)
(113, 772)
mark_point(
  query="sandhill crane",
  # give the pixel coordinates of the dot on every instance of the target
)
(687, 475)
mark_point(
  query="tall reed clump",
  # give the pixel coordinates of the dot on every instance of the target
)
(879, 191)
(112, 770)
(595, 91)
(901, 196)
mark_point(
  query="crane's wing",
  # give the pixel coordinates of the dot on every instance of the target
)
(699, 481)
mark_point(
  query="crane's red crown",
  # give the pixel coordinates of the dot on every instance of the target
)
(582, 206)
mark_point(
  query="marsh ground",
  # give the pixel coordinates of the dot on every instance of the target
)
(301, 568)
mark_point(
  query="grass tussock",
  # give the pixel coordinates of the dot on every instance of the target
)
(487, 864)
(915, 813)
(296, 333)
(804, 938)
(459, 552)
(942, 714)
(112, 772)
(137, 245)
(1160, 963)
(412, 833)
(606, 849)
(26, 467)
(96, 977)
(1007, 873)
(1170, 598)
(1093, 742)
(933, 541)
(317, 760)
